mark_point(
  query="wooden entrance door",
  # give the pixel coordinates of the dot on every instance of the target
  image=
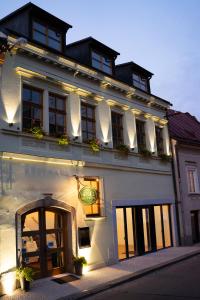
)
(44, 239)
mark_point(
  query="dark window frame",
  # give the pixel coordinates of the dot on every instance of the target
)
(159, 140)
(141, 83)
(56, 112)
(32, 105)
(86, 133)
(117, 128)
(141, 135)
(47, 27)
(101, 63)
(153, 234)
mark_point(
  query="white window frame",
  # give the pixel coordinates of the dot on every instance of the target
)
(194, 173)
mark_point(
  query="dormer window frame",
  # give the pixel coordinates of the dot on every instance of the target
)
(141, 82)
(101, 63)
(47, 28)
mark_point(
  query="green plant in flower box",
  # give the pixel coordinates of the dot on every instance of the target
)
(37, 132)
(164, 157)
(123, 148)
(94, 145)
(63, 140)
(145, 153)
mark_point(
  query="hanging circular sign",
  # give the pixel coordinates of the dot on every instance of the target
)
(88, 195)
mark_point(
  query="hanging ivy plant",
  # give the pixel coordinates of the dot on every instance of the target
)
(37, 132)
(123, 149)
(94, 145)
(145, 153)
(63, 140)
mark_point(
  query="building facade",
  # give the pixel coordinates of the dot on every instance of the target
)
(185, 136)
(60, 199)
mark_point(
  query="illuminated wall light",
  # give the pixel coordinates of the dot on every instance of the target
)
(35, 159)
(129, 124)
(8, 283)
(104, 121)
(75, 114)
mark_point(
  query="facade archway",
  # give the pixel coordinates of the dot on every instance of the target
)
(44, 236)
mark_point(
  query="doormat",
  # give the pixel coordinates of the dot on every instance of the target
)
(65, 279)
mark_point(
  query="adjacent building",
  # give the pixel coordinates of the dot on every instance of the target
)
(60, 196)
(185, 139)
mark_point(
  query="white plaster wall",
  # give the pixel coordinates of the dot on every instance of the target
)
(27, 182)
(189, 202)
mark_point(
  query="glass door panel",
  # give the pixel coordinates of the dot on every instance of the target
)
(146, 229)
(31, 242)
(166, 223)
(53, 220)
(31, 222)
(43, 241)
(129, 220)
(121, 233)
(158, 227)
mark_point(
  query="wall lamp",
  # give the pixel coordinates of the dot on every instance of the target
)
(10, 124)
(106, 143)
(132, 148)
(153, 152)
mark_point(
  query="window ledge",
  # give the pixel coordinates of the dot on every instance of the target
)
(194, 194)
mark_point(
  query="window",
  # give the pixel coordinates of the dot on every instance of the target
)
(32, 107)
(57, 115)
(159, 140)
(141, 138)
(101, 62)
(193, 182)
(92, 210)
(139, 82)
(88, 121)
(46, 35)
(117, 128)
(84, 237)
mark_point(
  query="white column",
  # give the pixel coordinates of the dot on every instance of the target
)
(129, 126)
(46, 111)
(150, 135)
(74, 116)
(103, 124)
(166, 140)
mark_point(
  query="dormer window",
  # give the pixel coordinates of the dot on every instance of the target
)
(139, 82)
(101, 62)
(46, 35)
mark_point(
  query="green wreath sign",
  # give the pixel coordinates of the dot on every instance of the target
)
(88, 195)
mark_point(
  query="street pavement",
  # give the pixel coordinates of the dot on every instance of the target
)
(180, 281)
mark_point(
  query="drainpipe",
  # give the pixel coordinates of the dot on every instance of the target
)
(175, 171)
(175, 176)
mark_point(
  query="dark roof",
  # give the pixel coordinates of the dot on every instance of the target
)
(93, 41)
(36, 8)
(184, 127)
(135, 67)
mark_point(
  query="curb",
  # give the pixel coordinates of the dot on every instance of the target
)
(127, 278)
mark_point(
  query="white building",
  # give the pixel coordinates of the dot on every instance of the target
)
(42, 218)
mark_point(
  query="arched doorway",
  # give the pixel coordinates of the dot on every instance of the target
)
(45, 237)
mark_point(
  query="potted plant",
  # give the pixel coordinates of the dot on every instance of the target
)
(78, 262)
(25, 276)
(145, 153)
(123, 149)
(37, 132)
(164, 157)
(94, 145)
(63, 140)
